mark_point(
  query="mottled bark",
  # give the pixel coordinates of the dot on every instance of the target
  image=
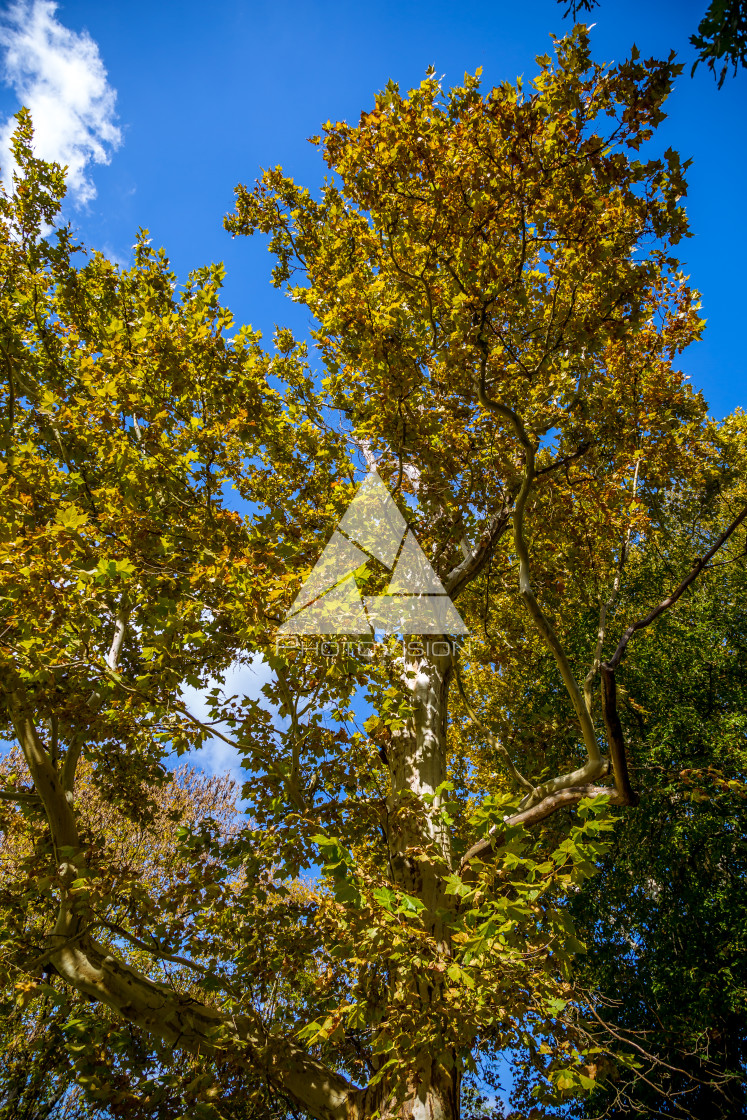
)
(433, 1095)
(421, 848)
(417, 765)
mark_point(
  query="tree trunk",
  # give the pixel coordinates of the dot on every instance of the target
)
(434, 1095)
(417, 764)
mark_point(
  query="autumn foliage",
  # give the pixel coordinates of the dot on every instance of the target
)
(499, 315)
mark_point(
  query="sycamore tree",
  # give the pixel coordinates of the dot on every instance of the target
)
(499, 315)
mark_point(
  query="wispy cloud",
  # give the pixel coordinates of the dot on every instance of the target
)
(60, 78)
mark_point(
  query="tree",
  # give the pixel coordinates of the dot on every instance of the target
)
(721, 34)
(499, 313)
(63, 1055)
(665, 920)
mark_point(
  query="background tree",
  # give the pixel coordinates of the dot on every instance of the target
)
(665, 920)
(63, 1054)
(499, 313)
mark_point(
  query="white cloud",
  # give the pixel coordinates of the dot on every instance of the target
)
(217, 756)
(60, 78)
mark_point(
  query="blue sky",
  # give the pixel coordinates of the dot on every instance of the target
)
(185, 101)
(161, 109)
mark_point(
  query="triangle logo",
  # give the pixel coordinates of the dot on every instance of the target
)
(415, 602)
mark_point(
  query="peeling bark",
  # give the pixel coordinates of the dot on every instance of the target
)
(417, 764)
(433, 1095)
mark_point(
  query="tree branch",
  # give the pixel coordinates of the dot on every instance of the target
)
(72, 756)
(563, 799)
(70, 765)
(558, 463)
(476, 558)
(120, 630)
(46, 780)
(156, 951)
(615, 738)
(177, 1019)
(612, 723)
(183, 1022)
(20, 795)
(595, 764)
(692, 575)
